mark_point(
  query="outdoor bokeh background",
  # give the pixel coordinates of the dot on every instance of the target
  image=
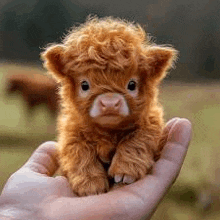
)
(192, 90)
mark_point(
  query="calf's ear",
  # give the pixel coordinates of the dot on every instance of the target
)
(53, 58)
(158, 60)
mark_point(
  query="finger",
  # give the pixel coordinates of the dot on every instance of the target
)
(170, 123)
(43, 160)
(164, 137)
(174, 151)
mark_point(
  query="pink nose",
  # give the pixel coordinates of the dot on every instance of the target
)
(110, 101)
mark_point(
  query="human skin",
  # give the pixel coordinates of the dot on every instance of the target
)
(32, 193)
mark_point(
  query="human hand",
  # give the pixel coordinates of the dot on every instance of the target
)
(32, 193)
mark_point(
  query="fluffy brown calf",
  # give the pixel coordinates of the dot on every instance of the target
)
(110, 123)
(36, 89)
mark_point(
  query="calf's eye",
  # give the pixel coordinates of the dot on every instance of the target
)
(85, 86)
(132, 85)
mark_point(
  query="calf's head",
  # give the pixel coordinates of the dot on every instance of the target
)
(109, 72)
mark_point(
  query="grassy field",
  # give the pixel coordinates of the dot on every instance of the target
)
(196, 193)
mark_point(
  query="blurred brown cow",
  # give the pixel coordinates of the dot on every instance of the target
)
(36, 89)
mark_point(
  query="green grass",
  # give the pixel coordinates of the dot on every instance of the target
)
(196, 193)
(20, 132)
(201, 105)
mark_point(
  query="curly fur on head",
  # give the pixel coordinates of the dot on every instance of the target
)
(106, 44)
(109, 73)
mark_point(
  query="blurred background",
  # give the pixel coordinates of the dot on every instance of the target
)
(28, 104)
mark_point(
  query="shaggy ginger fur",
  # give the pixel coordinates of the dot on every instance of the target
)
(111, 123)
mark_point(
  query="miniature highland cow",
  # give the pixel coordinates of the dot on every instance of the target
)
(111, 124)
